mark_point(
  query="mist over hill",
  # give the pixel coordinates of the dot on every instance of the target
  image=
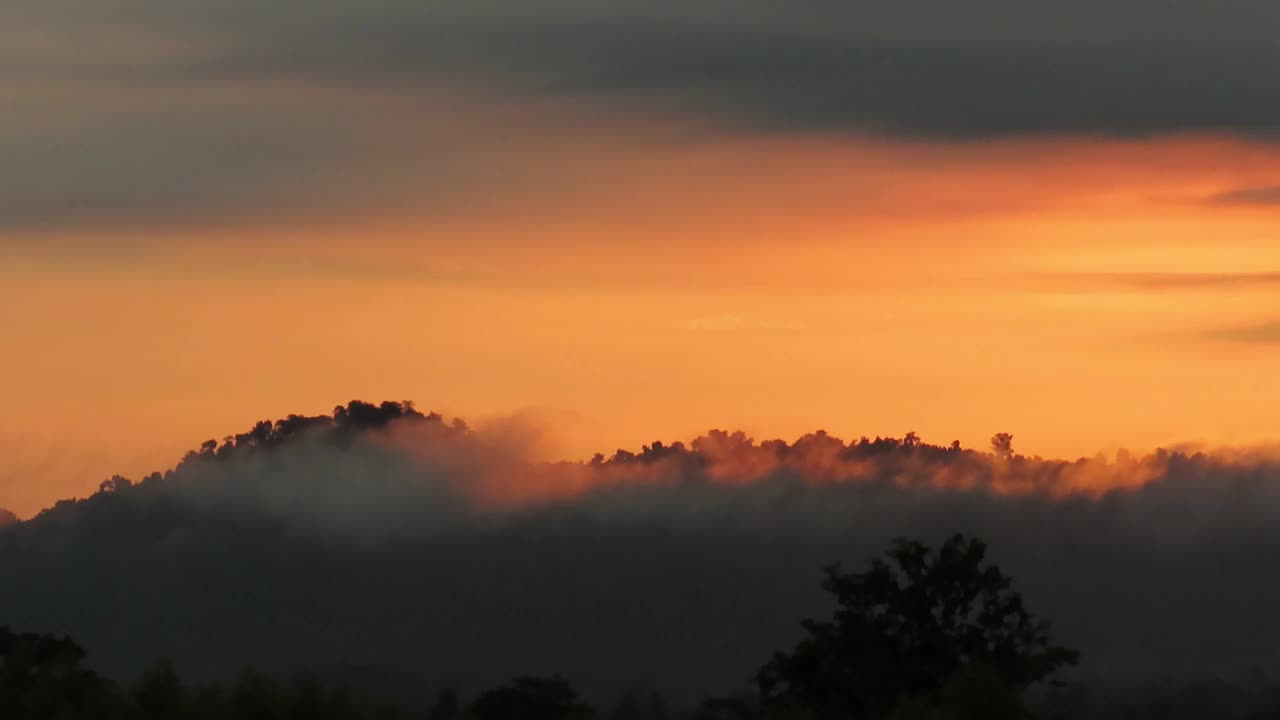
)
(380, 536)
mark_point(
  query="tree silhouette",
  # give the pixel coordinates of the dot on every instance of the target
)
(42, 676)
(159, 694)
(640, 705)
(531, 698)
(975, 693)
(1002, 445)
(905, 627)
(728, 708)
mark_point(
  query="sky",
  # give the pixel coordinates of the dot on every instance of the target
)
(641, 221)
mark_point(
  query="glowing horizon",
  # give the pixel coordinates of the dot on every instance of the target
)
(1032, 313)
(841, 220)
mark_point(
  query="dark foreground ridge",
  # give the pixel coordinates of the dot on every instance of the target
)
(366, 543)
(921, 632)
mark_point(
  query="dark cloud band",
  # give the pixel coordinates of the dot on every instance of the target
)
(138, 112)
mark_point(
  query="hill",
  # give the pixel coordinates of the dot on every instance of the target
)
(383, 537)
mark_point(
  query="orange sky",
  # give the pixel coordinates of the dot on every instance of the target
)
(1081, 294)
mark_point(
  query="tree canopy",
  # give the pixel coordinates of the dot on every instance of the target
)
(531, 698)
(905, 627)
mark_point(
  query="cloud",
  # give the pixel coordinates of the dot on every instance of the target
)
(1262, 334)
(1168, 280)
(145, 113)
(762, 78)
(204, 158)
(994, 70)
(156, 166)
(1261, 196)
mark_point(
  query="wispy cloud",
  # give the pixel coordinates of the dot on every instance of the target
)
(1261, 334)
(1263, 195)
(1162, 280)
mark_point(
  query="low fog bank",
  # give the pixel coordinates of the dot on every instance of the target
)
(382, 537)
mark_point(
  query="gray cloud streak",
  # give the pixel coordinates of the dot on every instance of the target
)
(1157, 281)
(1266, 333)
(1259, 196)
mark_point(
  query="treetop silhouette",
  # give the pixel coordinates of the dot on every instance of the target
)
(907, 625)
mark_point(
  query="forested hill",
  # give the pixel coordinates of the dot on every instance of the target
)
(382, 536)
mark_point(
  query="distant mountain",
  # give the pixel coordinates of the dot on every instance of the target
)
(7, 518)
(382, 537)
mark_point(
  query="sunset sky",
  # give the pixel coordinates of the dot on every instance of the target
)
(635, 221)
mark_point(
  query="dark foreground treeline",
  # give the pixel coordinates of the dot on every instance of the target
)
(923, 634)
(62, 688)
